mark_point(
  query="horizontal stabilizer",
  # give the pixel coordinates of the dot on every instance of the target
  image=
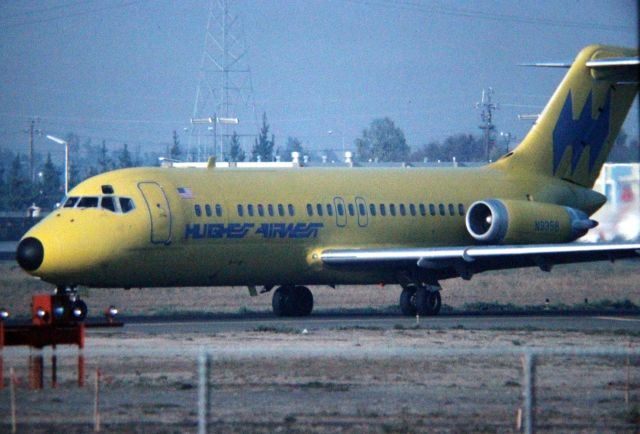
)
(597, 63)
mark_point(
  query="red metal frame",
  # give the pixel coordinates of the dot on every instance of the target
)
(47, 330)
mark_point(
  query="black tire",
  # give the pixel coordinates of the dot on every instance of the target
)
(428, 303)
(302, 301)
(408, 301)
(81, 307)
(281, 301)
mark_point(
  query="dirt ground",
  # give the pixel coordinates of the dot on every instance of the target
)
(340, 391)
(295, 390)
(569, 285)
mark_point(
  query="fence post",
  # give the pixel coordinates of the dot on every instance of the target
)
(204, 391)
(529, 392)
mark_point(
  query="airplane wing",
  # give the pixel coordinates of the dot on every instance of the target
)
(466, 261)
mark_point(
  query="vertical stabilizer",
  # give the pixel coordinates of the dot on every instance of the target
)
(576, 130)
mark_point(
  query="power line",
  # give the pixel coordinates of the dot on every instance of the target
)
(468, 13)
(72, 15)
(44, 10)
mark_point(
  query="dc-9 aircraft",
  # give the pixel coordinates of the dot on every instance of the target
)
(288, 228)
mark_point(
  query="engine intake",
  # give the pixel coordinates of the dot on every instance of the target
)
(498, 221)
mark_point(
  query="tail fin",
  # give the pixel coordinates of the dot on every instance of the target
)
(575, 132)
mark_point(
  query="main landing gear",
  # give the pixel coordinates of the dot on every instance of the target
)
(68, 307)
(291, 300)
(419, 299)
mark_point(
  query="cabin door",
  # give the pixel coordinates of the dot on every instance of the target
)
(159, 211)
(341, 212)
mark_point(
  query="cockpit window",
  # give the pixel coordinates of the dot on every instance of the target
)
(88, 202)
(108, 203)
(114, 204)
(71, 202)
(126, 204)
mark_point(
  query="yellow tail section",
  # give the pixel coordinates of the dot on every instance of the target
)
(575, 132)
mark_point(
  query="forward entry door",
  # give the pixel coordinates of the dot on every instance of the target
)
(159, 211)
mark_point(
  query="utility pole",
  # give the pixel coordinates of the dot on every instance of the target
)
(32, 131)
(225, 90)
(486, 116)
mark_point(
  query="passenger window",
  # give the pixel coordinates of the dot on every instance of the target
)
(309, 210)
(207, 210)
(392, 209)
(270, 210)
(441, 208)
(240, 210)
(432, 209)
(126, 205)
(423, 210)
(250, 210)
(198, 210)
(108, 203)
(319, 209)
(260, 210)
(412, 210)
(403, 210)
(452, 210)
(329, 210)
(362, 209)
(351, 210)
(383, 210)
(340, 209)
(292, 211)
(280, 210)
(218, 210)
(88, 202)
(460, 209)
(372, 209)
(70, 203)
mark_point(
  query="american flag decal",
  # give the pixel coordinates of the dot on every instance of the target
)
(185, 193)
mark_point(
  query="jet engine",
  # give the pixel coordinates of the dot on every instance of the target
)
(497, 221)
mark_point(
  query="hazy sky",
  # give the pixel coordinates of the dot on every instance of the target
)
(127, 71)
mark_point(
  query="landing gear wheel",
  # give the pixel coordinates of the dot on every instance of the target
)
(281, 301)
(408, 301)
(79, 310)
(292, 301)
(303, 301)
(428, 303)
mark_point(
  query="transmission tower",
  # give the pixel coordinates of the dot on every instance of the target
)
(224, 97)
(487, 127)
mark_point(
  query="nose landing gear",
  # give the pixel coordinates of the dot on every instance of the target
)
(68, 307)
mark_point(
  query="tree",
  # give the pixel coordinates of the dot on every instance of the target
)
(382, 141)
(235, 149)
(124, 157)
(105, 163)
(175, 151)
(51, 186)
(464, 147)
(263, 147)
(3, 187)
(19, 187)
(293, 145)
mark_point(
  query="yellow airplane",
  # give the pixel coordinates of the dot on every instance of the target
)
(171, 227)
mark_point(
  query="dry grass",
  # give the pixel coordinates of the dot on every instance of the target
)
(568, 285)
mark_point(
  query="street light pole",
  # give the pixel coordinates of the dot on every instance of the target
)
(66, 160)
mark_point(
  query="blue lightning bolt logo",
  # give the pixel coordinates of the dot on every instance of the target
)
(580, 133)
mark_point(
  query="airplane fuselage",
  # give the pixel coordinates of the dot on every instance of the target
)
(218, 227)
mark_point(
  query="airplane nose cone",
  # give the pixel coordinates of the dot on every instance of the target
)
(30, 254)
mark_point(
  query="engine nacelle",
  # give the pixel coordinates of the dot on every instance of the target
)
(497, 221)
